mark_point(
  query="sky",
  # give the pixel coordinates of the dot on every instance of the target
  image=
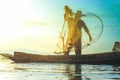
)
(35, 24)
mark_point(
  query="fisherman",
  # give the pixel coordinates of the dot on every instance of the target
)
(75, 25)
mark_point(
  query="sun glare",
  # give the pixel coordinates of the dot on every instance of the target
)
(13, 17)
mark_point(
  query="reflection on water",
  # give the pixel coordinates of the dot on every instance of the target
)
(75, 73)
(46, 71)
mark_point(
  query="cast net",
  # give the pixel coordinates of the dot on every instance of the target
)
(95, 26)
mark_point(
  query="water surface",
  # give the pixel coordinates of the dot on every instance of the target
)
(54, 71)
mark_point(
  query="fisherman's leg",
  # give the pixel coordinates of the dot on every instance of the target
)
(68, 50)
(78, 47)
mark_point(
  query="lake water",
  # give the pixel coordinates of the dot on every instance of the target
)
(54, 71)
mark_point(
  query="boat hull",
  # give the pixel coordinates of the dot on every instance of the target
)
(101, 58)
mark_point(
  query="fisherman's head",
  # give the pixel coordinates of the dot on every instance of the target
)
(78, 14)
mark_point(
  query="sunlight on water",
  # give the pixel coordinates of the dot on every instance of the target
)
(44, 71)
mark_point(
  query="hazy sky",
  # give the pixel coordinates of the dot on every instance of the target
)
(35, 24)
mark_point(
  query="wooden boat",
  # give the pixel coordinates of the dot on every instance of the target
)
(101, 58)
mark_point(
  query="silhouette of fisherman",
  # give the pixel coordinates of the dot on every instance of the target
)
(75, 25)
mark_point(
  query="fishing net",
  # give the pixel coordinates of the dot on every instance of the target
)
(95, 26)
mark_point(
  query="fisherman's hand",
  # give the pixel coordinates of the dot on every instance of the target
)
(90, 38)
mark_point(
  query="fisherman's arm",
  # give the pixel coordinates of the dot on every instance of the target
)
(86, 29)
